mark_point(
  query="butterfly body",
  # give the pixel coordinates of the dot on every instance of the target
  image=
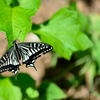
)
(29, 52)
(16, 50)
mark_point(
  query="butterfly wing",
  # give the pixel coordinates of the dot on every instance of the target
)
(9, 62)
(31, 51)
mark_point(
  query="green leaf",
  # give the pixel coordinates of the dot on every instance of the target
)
(63, 32)
(82, 17)
(8, 2)
(50, 91)
(8, 91)
(30, 4)
(27, 85)
(84, 21)
(16, 19)
(32, 93)
(85, 67)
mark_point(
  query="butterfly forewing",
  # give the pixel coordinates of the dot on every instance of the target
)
(31, 51)
(9, 61)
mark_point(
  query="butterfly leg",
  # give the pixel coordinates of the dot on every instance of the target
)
(15, 72)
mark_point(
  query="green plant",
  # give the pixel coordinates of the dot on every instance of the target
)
(63, 31)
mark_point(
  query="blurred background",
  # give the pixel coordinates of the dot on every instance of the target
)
(57, 78)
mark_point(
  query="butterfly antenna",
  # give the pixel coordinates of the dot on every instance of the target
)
(19, 34)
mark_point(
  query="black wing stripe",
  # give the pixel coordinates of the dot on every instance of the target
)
(26, 50)
(38, 45)
(34, 45)
(4, 58)
(33, 52)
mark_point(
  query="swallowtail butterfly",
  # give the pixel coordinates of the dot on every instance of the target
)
(29, 53)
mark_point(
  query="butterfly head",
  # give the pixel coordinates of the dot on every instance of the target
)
(14, 41)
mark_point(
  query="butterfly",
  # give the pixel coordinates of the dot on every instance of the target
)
(29, 52)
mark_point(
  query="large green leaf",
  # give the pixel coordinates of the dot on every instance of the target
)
(63, 32)
(50, 91)
(16, 19)
(8, 2)
(8, 91)
(27, 85)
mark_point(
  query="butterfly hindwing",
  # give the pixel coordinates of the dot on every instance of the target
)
(31, 51)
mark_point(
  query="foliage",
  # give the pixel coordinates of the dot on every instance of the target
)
(65, 32)
(16, 19)
(50, 91)
(27, 86)
(69, 32)
(8, 91)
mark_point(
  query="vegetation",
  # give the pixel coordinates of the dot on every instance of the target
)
(76, 51)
